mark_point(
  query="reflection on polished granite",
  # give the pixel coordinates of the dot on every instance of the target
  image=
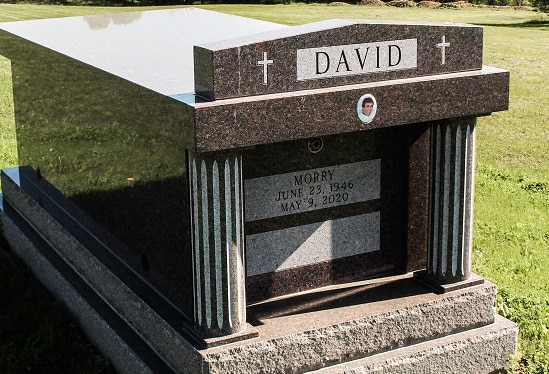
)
(95, 116)
(153, 49)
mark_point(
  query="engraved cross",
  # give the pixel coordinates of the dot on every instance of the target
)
(265, 62)
(442, 45)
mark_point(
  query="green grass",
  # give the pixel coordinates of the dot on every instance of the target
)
(511, 242)
(512, 191)
(8, 153)
(296, 14)
(511, 237)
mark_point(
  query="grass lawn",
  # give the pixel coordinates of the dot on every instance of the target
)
(511, 237)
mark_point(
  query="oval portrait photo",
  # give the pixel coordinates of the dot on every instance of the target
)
(366, 108)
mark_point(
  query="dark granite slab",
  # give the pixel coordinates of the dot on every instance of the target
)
(244, 122)
(376, 227)
(118, 146)
(418, 196)
(116, 150)
(270, 62)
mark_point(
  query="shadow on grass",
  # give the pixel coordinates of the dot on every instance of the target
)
(526, 24)
(37, 334)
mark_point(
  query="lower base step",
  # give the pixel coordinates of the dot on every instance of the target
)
(482, 350)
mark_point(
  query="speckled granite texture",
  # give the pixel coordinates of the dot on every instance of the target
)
(260, 102)
(302, 338)
(229, 69)
(244, 122)
(390, 147)
(467, 352)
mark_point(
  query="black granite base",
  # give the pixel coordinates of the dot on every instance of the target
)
(30, 200)
(97, 303)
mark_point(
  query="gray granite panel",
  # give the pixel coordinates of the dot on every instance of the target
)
(453, 159)
(355, 59)
(306, 190)
(313, 243)
(218, 244)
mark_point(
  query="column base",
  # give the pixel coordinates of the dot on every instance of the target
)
(441, 287)
(249, 332)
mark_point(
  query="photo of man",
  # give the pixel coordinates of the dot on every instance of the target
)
(366, 108)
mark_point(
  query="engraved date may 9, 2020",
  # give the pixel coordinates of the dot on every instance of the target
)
(314, 191)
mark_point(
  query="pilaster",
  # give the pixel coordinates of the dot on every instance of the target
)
(218, 243)
(451, 201)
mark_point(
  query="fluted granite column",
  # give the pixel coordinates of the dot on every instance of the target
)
(218, 244)
(451, 205)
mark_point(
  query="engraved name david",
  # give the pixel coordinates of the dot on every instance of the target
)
(353, 59)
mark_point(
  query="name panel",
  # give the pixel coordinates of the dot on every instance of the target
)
(353, 59)
(306, 190)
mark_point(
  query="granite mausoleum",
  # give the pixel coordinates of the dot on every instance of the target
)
(255, 197)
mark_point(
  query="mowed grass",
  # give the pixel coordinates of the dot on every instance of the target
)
(8, 153)
(511, 246)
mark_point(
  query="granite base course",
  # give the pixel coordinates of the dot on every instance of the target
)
(309, 341)
(469, 352)
(117, 293)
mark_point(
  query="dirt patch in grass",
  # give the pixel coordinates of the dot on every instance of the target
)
(372, 3)
(456, 5)
(428, 4)
(402, 3)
